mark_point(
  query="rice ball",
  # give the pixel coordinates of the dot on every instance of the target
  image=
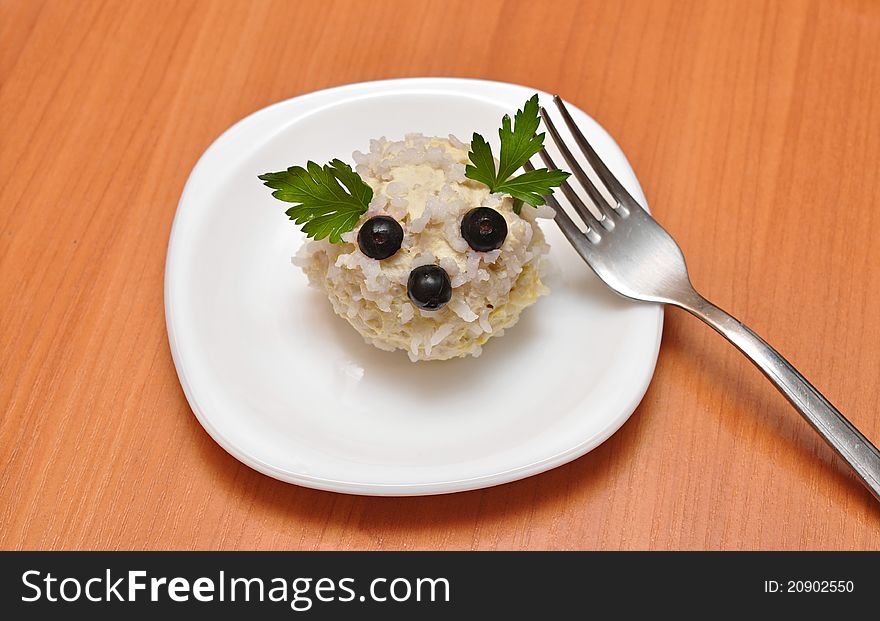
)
(420, 182)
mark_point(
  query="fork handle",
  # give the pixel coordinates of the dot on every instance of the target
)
(855, 448)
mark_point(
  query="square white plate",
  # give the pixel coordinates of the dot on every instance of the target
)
(291, 390)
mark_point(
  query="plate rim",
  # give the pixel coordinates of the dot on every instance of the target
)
(381, 489)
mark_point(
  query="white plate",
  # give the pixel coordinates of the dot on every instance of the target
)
(291, 390)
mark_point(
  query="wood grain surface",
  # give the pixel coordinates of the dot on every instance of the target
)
(754, 128)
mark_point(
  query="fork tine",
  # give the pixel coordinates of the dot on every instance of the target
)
(579, 206)
(569, 229)
(564, 221)
(614, 187)
(596, 197)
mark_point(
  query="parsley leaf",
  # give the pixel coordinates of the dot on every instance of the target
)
(330, 199)
(519, 142)
(530, 187)
(483, 169)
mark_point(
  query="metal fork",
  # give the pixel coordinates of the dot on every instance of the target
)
(638, 259)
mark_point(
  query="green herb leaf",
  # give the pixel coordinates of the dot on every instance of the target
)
(530, 187)
(480, 155)
(330, 199)
(519, 142)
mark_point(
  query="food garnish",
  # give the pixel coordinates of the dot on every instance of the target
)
(484, 229)
(518, 143)
(329, 199)
(380, 237)
(428, 287)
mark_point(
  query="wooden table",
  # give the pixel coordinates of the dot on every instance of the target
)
(753, 126)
